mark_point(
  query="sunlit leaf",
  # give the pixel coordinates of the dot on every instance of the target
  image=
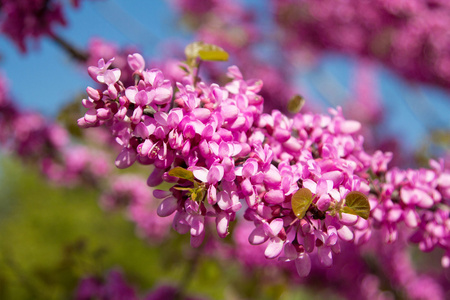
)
(301, 201)
(213, 52)
(204, 52)
(296, 104)
(182, 173)
(357, 204)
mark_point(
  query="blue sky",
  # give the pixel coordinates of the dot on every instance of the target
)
(45, 79)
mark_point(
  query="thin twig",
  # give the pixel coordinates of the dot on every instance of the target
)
(75, 53)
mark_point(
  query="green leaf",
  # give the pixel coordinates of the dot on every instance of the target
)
(357, 204)
(197, 194)
(182, 173)
(180, 188)
(212, 52)
(204, 52)
(184, 69)
(301, 201)
(296, 104)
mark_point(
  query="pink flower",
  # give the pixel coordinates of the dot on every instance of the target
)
(102, 74)
(136, 62)
(271, 232)
(301, 259)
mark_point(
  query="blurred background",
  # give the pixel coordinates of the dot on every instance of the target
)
(385, 65)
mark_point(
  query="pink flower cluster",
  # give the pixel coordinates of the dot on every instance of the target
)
(408, 36)
(99, 48)
(375, 270)
(419, 199)
(221, 153)
(396, 263)
(114, 286)
(23, 19)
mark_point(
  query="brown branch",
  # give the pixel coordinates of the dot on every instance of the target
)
(75, 53)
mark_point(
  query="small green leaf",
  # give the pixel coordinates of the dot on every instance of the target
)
(296, 104)
(180, 188)
(301, 201)
(204, 52)
(357, 204)
(194, 194)
(182, 173)
(197, 194)
(184, 69)
(212, 52)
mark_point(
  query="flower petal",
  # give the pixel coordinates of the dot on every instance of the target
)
(303, 265)
(222, 221)
(125, 158)
(167, 207)
(274, 247)
(257, 236)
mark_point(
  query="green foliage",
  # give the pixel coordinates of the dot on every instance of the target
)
(357, 204)
(301, 201)
(182, 173)
(295, 104)
(53, 236)
(196, 193)
(203, 51)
